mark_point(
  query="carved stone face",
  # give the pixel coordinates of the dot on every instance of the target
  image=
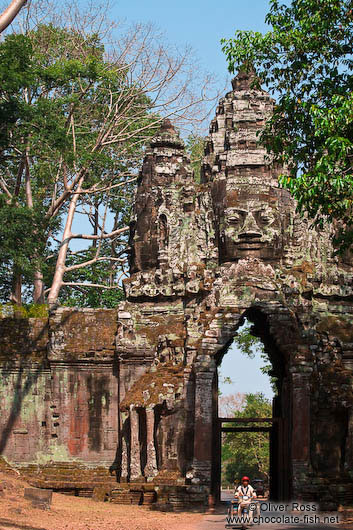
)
(251, 227)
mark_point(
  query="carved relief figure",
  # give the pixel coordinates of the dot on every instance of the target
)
(163, 232)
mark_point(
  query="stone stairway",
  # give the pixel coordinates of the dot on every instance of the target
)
(133, 494)
(166, 492)
(71, 479)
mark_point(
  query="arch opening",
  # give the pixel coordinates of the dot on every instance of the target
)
(249, 444)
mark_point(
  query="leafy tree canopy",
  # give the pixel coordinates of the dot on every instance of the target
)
(57, 88)
(306, 61)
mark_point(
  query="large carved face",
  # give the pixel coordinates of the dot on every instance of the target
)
(251, 227)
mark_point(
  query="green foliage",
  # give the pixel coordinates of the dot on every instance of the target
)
(247, 453)
(24, 311)
(36, 310)
(226, 380)
(56, 90)
(306, 60)
(248, 343)
(22, 243)
(251, 345)
(195, 145)
(91, 297)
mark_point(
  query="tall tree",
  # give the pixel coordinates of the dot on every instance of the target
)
(306, 61)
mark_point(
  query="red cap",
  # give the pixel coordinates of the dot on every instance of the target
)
(245, 478)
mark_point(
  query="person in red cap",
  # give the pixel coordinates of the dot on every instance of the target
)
(245, 494)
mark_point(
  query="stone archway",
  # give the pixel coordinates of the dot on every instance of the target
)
(140, 377)
(280, 486)
(290, 434)
(235, 246)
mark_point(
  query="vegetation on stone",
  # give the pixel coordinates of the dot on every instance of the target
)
(24, 311)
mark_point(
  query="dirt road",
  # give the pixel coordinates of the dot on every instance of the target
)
(74, 513)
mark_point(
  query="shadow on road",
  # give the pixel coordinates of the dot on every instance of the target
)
(6, 523)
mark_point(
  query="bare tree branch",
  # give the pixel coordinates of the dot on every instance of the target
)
(5, 188)
(102, 236)
(92, 261)
(98, 285)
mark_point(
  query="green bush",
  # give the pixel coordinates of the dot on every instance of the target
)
(24, 311)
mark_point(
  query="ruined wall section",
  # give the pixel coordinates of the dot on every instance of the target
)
(58, 390)
(154, 381)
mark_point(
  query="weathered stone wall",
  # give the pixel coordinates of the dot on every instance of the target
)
(58, 388)
(22, 337)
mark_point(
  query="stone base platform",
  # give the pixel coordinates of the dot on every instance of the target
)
(166, 492)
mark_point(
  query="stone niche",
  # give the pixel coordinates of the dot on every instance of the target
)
(135, 389)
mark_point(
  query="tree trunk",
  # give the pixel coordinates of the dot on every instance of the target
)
(38, 284)
(38, 290)
(10, 13)
(16, 291)
(60, 263)
(95, 227)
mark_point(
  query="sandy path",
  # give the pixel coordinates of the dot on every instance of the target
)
(75, 513)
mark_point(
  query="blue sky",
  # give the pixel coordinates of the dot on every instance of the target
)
(245, 374)
(202, 24)
(199, 23)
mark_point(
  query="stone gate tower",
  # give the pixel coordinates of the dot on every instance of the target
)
(204, 256)
(136, 387)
